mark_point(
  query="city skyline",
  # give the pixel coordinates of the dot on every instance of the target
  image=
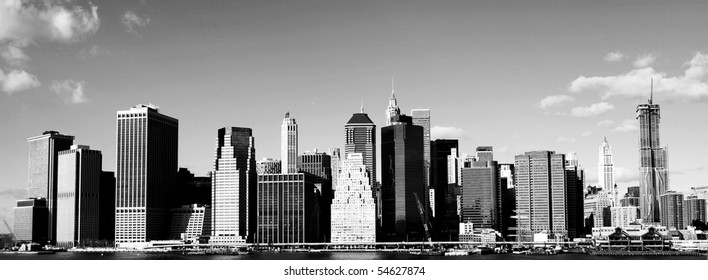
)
(324, 99)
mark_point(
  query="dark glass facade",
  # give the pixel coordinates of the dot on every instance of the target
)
(286, 209)
(446, 219)
(403, 189)
(319, 166)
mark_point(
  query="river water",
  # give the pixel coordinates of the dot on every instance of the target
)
(323, 256)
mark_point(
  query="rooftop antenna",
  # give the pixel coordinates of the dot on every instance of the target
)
(392, 88)
(362, 105)
(651, 93)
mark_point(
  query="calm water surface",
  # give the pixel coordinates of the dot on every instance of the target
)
(319, 256)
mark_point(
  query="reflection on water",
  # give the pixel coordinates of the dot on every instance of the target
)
(321, 256)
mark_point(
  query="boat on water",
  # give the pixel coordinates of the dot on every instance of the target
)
(427, 252)
(457, 252)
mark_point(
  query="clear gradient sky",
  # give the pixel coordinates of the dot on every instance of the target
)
(517, 75)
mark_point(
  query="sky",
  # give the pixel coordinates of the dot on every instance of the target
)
(516, 75)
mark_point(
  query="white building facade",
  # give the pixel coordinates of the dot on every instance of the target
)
(606, 173)
(353, 207)
(623, 216)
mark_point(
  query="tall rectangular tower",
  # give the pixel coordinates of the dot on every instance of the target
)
(653, 163)
(606, 173)
(446, 219)
(78, 196)
(360, 137)
(43, 156)
(319, 166)
(233, 192)
(288, 145)
(404, 207)
(146, 169)
(575, 181)
(540, 194)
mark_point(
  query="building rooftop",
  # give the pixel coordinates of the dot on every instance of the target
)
(360, 118)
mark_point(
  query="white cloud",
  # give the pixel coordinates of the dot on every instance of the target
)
(614, 56)
(644, 60)
(592, 110)
(13, 55)
(566, 140)
(448, 132)
(586, 133)
(24, 21)
(17, 80)
(555, 100)
(132, 20)
(605, 123)
(627, 126)
(691, 86)
(71, 91)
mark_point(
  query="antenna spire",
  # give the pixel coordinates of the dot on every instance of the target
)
(362, 105)
(651, 93)
(392, 88)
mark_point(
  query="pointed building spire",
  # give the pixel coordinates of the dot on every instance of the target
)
(651, 92)
(393, 91)
(362, 105)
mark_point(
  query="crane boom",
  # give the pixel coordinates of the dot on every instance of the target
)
(8, 227)
(422, 218)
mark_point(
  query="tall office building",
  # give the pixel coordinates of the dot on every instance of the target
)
(79, 187)
(421, 117)
(694, 208)
(191, 189)
(31, 220)
(288, 145)
(43, 156)
(360, 137)
(653, 163)
(403, 190)
(189, 222)
(606, 173)
(443, 179)
(672, 210)
(286, 209)
(480, 194)
(353, 208)
(392, 111)
(268, 166)
(233, 194)
(575, 180)
(319, 166)
(508, 186)
(146, 169)
(540, 194)
(107, 207)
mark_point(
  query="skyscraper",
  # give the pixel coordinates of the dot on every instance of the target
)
(353, 208)
(443, 179)
(107, 207)
(146, 169)
(575, 182)
(336, 156)
(288, 145)
(606, 173)
(319, 166)
(540, 194)
(672, 210)
(79, 180)
(360, 137)
(694, 208)
(508, 186)
(421, 117)
(43, 156)
(286, 209)
(653, 165)
(403, 190)
(233, 194)
(480, 190)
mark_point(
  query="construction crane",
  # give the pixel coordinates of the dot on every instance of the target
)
(12, 235)
(422, 218)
